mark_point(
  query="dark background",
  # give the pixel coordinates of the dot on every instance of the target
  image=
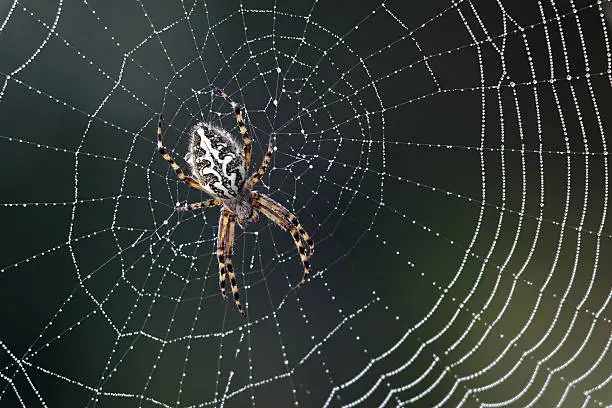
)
(458, 197)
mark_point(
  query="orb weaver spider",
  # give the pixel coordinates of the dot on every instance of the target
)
(219, 168)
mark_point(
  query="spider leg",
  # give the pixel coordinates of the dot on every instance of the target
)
(223, 221)
(243, 129)
(229, 243)
(270, 203)
(241, 222)
(264, 164)
(179, 173)
(287, 226)
(196, 206)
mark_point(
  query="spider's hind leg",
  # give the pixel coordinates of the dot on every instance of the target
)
(223, 221)
(229, 242)
(275, 206)
(276, 213)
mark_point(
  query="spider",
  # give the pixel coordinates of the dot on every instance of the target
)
(219, 168)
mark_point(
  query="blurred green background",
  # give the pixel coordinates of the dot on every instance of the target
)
(457, 195)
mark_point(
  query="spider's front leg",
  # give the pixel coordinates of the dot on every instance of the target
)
(264, 164)
(177, 169)
(243, 130)
(247, 141)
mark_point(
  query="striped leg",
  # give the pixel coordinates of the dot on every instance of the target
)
(177, 169)
(270, 203)
(223, 221)
(229, 242)
(287, 226)
(264, 164)
(243, 129)
(196, 206)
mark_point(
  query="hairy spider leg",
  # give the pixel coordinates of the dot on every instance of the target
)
(179, 173)
(229, 243)
(196, 206)
(270, 203)
(264, 164)
(223, 221)
(243, 129)
(255, 216)
(287, 226)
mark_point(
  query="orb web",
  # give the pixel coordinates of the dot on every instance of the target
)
(449, 159)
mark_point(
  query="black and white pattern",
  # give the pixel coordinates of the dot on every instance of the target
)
(216, 161)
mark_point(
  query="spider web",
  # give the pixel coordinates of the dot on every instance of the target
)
(450, 160)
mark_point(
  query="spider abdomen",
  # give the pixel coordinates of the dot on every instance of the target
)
(216, 161)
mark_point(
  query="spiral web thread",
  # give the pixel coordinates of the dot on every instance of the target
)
(499, 219)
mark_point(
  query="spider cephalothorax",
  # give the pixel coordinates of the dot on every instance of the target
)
(219, 168)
